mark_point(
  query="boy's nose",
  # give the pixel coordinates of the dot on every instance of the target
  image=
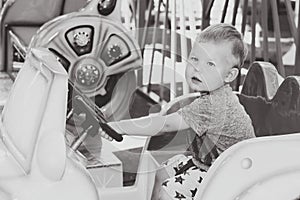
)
(197, 68)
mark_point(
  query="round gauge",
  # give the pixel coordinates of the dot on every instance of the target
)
(81, 39)
(115, 52)
(87, 75)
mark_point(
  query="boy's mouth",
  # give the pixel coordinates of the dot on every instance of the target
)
(196, 80)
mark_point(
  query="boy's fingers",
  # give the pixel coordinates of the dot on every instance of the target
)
(105, 135)
(102, 133)
(109, 138)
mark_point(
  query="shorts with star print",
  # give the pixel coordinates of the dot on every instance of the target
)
(185, 178)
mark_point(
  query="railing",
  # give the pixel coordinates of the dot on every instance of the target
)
(178, 28)
(165, 27)
(175, 42)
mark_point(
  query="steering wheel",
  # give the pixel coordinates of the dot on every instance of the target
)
(99, 56)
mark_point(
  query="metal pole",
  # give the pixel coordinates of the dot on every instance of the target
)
(253, 30)
(161, 89)
(297, 62)
(153, 44)
(264, 16)
(224, 11)
(276, 24)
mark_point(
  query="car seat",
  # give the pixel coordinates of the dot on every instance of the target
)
(262, 80)
(34, 161)
(19, 21)
(259, 168)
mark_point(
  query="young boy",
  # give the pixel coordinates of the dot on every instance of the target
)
(214, 62)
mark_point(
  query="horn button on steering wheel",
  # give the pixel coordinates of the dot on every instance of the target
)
(88, 75)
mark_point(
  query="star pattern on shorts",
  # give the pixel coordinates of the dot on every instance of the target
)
(200, 179)
(179, 196)
(176, 169)
(165, 183)
(180, 165)
(186, 173)
(194, 192)
(179, 179)
(202, 170)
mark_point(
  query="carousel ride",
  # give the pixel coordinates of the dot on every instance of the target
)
(78, 74)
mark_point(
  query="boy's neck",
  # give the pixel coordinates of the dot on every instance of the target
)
(203, 93)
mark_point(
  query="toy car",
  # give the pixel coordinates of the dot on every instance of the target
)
(35, 163)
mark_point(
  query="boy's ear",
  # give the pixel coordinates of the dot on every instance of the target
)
(233, 73)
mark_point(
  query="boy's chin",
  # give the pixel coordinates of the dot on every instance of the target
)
(200, 89)
(204, 90)
(203, 87)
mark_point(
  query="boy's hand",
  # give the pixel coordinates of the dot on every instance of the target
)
(108, 132)
(104, 135)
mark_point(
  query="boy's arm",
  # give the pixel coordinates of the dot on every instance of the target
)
(150, 125)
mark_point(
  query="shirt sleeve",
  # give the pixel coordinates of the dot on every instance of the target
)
(198, 115)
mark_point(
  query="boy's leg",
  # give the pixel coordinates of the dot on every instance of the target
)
(163, 195)
(182, 186)
(160, 176)
(167, 170)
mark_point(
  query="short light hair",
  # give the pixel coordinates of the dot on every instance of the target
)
(226, 32)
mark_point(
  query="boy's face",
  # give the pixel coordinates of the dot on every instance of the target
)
(209, 65)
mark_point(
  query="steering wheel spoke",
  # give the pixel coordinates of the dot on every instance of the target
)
(123, 65)
(59, 44)
(101, 35)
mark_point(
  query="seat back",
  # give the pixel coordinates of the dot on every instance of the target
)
(262, 80)
(257, 108)
(37, 12)
(22, 18)
(33, 11)
(34, 115)
(259, 164)
(279, 115)
(284, 114)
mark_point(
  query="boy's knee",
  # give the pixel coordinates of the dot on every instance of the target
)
(163, 195)
(161, 175)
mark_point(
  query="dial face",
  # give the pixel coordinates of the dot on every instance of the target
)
(87, 75)
(80, 39)
(115, 50)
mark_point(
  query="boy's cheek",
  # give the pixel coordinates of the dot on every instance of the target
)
(188, 72)
(213, 83)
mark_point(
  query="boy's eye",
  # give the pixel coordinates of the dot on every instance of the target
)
(194, 59)
(211, 64)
